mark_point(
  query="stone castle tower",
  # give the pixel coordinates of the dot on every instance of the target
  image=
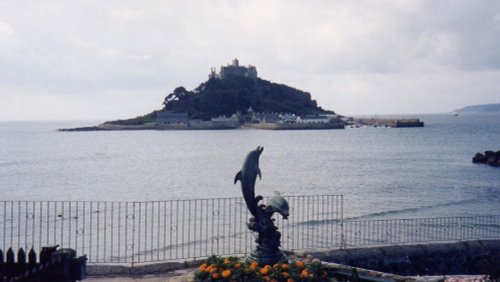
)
(232, 70)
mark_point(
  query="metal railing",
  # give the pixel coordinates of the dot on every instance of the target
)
(140, 232)
(418, 230)
(136, 232)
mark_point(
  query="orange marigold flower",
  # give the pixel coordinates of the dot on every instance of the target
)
(290, 280)
(254, 265)
(226, 273)
(212, 268)
(215, 275)
(264, 271)
(227, 261)
(284, 266)
(304, 274)
(299, 264)
(285, 275)
(237, 266)
(276, 266)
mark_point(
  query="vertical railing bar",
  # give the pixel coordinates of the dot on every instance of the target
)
(133, 233)
(305, 235)
(183, 228)
(335, 209)
(324, 213)
(26, 226)
(55, 223)
(319, 221)
(11, 223)
(224, 225)
(112, 247)
(62, 215)
(335, 222)
(144, 256)
(300, 223)
(311, 218)
(105, 231)
(227, 202)
(126, 231)
(40, 221)
(213, 226)
(201, 229)
(243, 216)
(235, 232)
(18, 224)
(152, 230)
(84, 231)
(91, 230)
(139, 257)
(98, 219)
(206, 226)
(164, 228)
(171, 228)
(218, 225)
(69, 223)
(33, 218)
(76, 226)
(189, 229)
(4, 224)
(158, 231)
(321, 216)
(177, 229)
(195, 212)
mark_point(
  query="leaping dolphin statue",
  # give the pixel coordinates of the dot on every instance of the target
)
(277, 204)
(247, 176)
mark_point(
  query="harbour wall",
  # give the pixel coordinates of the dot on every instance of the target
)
(467, 257)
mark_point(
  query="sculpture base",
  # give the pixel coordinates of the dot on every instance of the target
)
(263, 257)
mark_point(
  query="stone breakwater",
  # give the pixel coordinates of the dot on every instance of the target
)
(489, 157)
(390, 122)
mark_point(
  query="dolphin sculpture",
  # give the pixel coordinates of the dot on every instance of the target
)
(277, 204)
(247, 176)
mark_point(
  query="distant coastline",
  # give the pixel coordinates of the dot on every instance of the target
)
(479, 109)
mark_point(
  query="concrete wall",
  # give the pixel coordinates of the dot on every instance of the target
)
(470, 257)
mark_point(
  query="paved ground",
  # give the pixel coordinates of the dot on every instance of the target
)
(184, 275)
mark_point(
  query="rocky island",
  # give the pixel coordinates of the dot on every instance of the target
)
(231, 98)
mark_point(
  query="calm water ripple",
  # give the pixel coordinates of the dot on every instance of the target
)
(383, 173)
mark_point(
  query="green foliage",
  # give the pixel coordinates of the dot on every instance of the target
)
(140, 120)
(227, 96)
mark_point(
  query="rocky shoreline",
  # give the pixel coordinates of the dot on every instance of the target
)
(489, 157)
(187, 126)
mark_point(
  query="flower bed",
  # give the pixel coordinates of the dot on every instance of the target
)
(235, 269)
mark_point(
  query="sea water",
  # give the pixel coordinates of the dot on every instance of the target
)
(382, 172)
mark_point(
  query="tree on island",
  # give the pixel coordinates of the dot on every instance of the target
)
(227, 96)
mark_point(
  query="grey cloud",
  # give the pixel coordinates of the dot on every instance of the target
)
(343, 52)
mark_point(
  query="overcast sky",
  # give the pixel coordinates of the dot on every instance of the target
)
(66, 60)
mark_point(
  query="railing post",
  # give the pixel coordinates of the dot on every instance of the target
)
(133, 236)
(343, 242)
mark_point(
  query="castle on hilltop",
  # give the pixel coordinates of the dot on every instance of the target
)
(233, 70)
